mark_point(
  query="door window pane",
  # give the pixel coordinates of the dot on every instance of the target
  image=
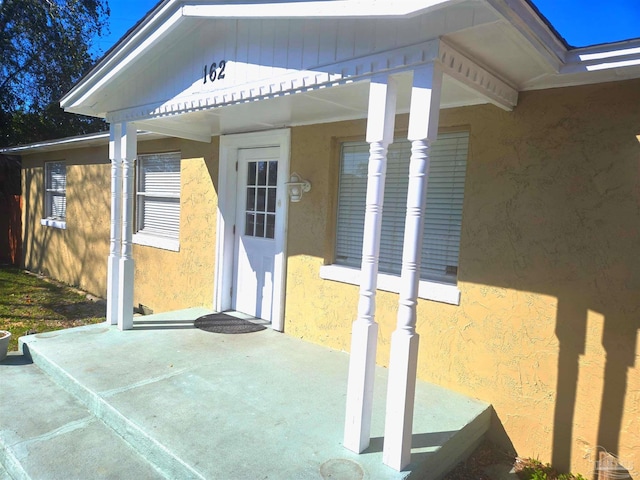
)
(249, 224)
(262, 173)
(260, 219)
(271, 226)
(273, 174)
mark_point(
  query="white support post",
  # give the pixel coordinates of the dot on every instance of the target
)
(113, 262)
(128, 145)
(423, 128)
(364, 336)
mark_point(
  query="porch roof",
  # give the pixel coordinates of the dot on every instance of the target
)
(213, 64)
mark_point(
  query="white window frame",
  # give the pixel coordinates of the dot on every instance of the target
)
(49, 219)
(443, 289)
(151, 238)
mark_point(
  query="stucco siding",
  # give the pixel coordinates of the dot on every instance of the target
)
(77, 255)
(167, 280)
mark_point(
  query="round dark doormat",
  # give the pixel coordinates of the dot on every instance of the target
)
(223, 323)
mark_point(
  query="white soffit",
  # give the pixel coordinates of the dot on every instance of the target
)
(523, 50)
(499, 47)
(595, 64)
(317, 9)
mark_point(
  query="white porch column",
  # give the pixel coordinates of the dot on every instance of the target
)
(364, 336)
(113, 262)
(423, 129)
(128, 148)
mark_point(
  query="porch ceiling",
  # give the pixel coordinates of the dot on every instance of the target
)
(342, 102)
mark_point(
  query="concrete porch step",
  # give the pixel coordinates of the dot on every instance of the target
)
(260, 405)
(46, 433)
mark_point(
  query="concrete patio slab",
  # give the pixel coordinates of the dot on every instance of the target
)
(260, 405)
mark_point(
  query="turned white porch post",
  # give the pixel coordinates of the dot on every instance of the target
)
(113, 262)
(364, 336)
(128, 148)
(423, 129)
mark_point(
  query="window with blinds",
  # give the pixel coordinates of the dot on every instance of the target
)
(158, 196)
(55, 190)
(443, 215)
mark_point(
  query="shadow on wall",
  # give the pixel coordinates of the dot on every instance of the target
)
(70, 255)
(558, 213)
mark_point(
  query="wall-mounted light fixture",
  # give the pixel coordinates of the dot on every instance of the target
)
(296, 186)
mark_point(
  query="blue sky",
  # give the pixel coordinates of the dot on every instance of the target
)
(124, 15)
(589, 22)
(580, 22)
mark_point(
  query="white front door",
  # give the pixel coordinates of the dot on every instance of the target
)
(255, 240)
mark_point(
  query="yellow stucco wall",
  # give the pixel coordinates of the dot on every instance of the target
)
(164, 280)
(77, 255)
(547, 327)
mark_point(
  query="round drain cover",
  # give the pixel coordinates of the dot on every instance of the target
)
(47, 335)
(341, 469)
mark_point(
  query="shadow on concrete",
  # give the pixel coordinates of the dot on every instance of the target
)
(16, 360)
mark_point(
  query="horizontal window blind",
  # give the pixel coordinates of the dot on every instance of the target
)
(56, 190)
(158, 205)
(443, 215)
(58, 206)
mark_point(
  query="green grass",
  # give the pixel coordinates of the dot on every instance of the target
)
(29, 303)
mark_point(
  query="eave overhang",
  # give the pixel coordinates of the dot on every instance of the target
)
(169, 14)
(98, 139)
(507, 41)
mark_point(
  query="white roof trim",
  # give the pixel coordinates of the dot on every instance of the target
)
(534, 29)
(317, 9)
(118, 61)
(603, 57)
(474, 76)
(518, 13)
(356, 69)
(79, 141)
(167, 15)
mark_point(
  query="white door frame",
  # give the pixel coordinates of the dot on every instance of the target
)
(225, 242)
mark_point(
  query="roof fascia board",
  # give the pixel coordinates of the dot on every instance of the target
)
(534, 29)
(158, 25)
(603, 57)
(79, 141)
(318, 9)
(70, 142)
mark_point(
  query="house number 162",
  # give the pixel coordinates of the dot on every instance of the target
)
(214, 71)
